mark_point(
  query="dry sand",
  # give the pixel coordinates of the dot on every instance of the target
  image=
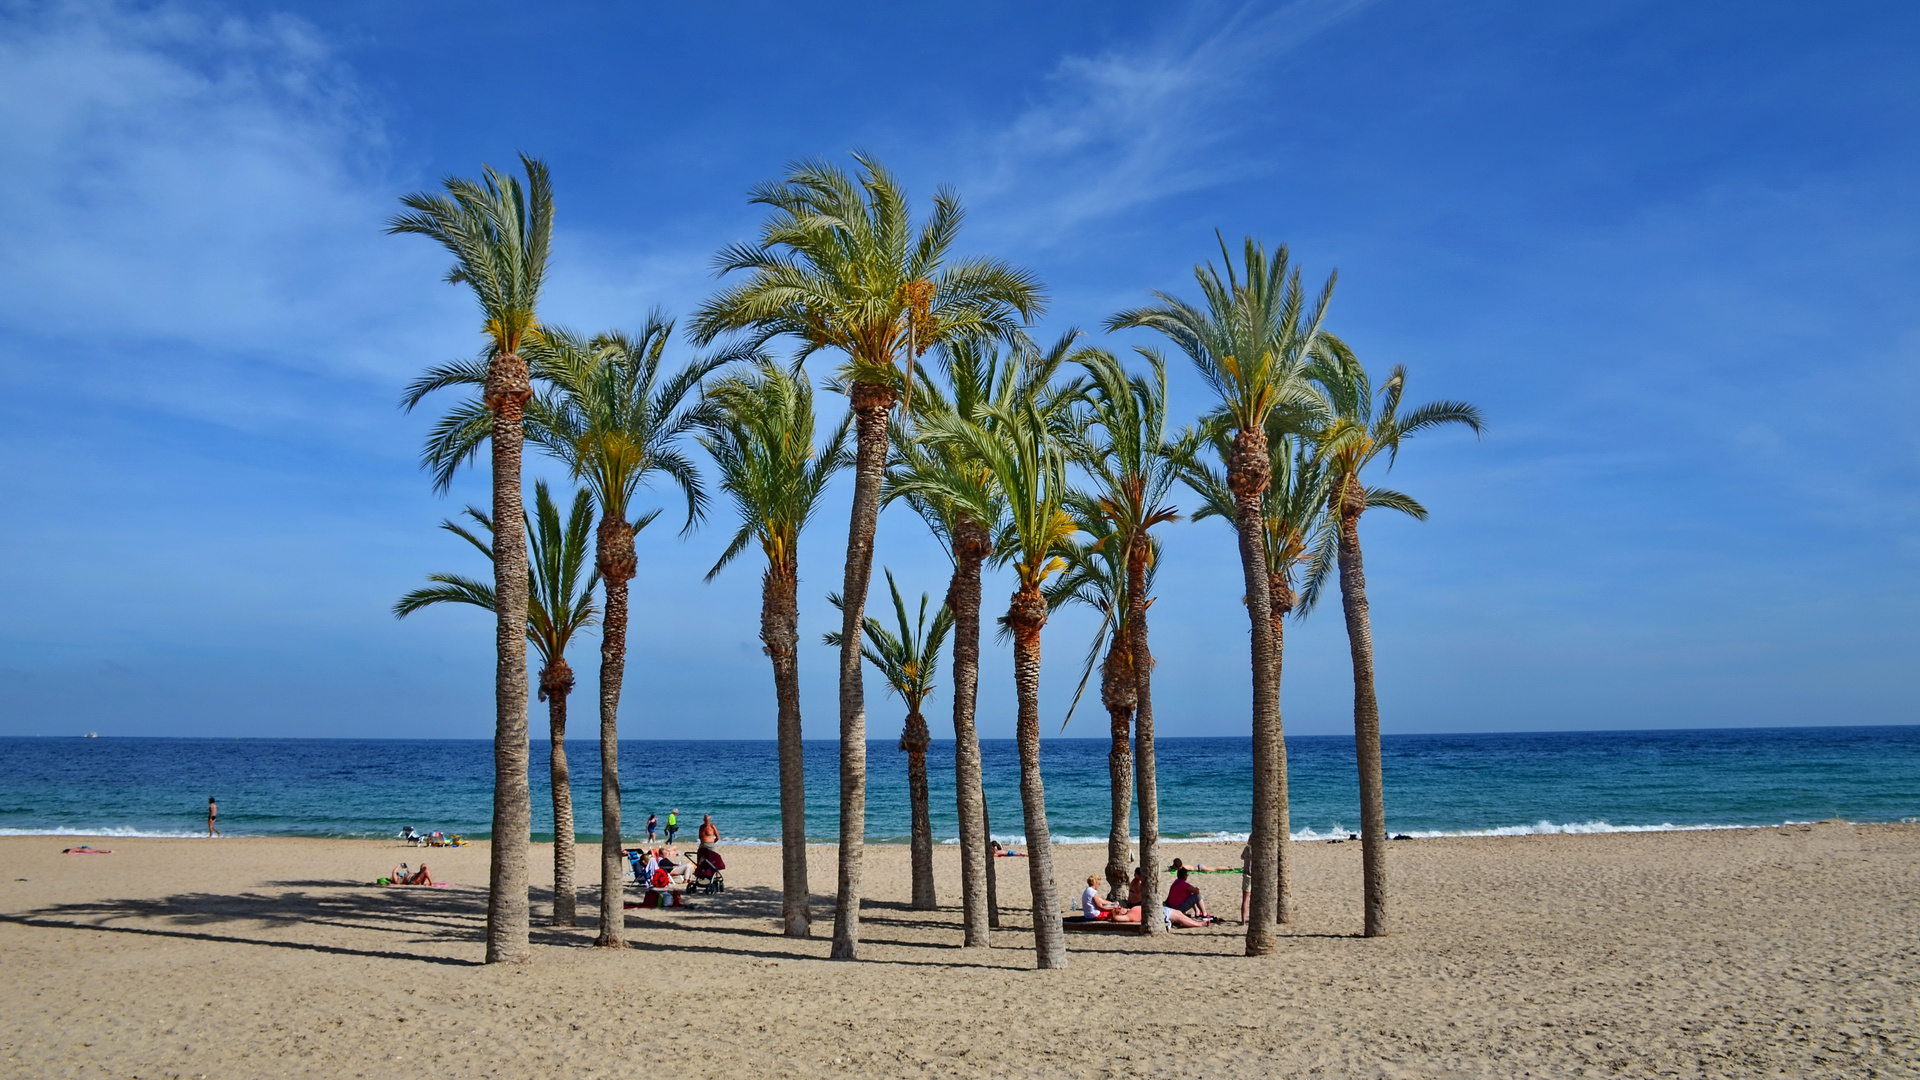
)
(1763, 952)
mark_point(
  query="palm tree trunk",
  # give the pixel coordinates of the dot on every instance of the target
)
(1366, 711)
(1142, 664)
(1026, 616)
(616, 565)
(780, 632)
(1117, 694)
(1281, 600)
(1248, 474)
(971, 546)
(556, 682)
(993, 874)
(915, 741)
(508, 917)
(871, 404)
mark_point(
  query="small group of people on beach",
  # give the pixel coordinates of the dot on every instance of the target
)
(1183, 905)
(656, 870)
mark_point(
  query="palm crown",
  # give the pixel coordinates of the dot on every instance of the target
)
(558, 605)
(1095, 576)
(908, 657)
(611, 417)
(1364, 424)
(760, 434)
(840, 265)
(1120, 439)
(1253, 339)
(498, 233)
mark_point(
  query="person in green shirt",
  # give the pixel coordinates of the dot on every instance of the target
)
(673, 824)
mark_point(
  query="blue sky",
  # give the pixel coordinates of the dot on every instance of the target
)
(1669, 250)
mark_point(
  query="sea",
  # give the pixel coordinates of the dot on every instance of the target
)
(1436, 785)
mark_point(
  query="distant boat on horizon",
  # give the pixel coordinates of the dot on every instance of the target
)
(91, 735)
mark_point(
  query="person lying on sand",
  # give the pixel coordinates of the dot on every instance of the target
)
(83, 849)
(417, 877)
(1167, 914)
(1006, 852)
(1203, 868)
(1092, 905)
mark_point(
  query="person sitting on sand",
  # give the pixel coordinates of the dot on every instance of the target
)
(417, 877)
(1136, 889)
(1092, 906)
(661, 891)
(1184, 898)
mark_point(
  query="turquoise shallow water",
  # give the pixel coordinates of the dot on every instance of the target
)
(1496, 783)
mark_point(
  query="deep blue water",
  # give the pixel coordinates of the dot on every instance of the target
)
(1578, 781)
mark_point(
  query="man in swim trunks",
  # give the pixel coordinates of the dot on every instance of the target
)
(213, 811)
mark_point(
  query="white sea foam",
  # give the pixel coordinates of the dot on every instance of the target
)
(110, 830)
(1336, 831)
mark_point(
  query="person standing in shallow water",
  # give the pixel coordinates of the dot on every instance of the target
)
(673, 823)
(213, 811)
(653, 823)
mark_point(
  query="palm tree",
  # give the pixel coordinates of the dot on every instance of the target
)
(839, 265)
(498, 233)
(761, 439)
(908, 659)
(1019, 443)
(558, 606)
(1121, 442)
(1251, 342)
(1096, 577)
(962, 504)
(1359, 432)
(616, 423)
(1297, 534)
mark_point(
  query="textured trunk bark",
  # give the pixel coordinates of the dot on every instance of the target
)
(915, 741)
(871, 404)
(993, 869)
(971, 546)
(1248, 474)
(1366, 712)
(1117, 694)
(1142, 663)
(556, 682)
(1026, 616)
(508, 917)
(780, 633)
(1281, 601)
(616, 565)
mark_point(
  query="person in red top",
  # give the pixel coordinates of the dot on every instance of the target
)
(1184, 898)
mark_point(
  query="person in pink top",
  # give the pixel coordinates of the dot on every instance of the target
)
(1184, 898)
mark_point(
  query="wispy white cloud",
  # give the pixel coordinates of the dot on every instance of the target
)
(1122, 129)
(182, 177)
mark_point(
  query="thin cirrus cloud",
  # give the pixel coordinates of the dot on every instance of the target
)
(214, 182)
(1123, 129)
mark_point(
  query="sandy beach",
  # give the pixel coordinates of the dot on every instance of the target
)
(1756, 952)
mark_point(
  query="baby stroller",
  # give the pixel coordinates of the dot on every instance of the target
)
(708, 876)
